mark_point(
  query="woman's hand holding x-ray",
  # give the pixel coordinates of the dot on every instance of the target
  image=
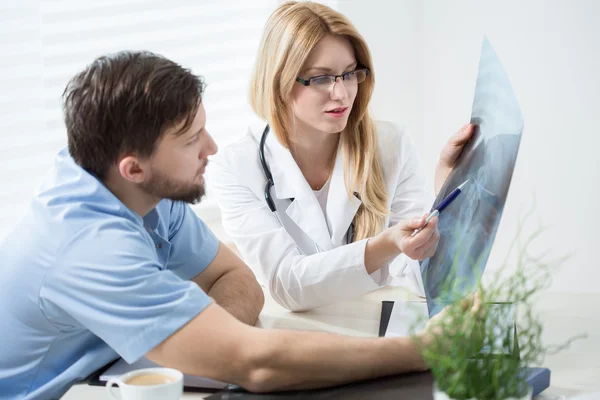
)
(450, 153)
(422, 245)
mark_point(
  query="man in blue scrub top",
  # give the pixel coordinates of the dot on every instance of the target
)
(110, 261)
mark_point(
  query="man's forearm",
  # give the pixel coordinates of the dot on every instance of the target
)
(302, 360)
(271, 360)
(239, 293)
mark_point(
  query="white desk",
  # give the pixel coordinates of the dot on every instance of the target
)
(575, 370)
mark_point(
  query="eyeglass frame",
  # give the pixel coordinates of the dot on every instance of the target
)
(306, 82)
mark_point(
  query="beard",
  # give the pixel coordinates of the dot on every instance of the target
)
(164, 187)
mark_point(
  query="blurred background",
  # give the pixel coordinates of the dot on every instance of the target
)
(425, 56)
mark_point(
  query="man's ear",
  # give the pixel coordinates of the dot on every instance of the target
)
(132, 169)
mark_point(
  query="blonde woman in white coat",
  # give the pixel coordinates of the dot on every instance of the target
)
(327, 213)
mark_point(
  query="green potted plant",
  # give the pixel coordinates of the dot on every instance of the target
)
(482, 355)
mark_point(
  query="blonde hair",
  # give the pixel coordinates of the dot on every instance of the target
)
(291, 33)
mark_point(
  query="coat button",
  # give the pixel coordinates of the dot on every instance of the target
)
(159, 246)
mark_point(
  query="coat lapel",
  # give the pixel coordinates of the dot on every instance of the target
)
(289, 183)
(341, 208)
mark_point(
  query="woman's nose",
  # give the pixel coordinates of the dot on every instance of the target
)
(339, 91)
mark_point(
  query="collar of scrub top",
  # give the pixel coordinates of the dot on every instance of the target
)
(270, 182)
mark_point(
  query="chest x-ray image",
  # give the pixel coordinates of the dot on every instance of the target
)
(468, 226)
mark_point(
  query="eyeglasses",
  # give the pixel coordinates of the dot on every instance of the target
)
(325, 82)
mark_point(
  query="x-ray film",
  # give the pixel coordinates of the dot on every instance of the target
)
(468, 226)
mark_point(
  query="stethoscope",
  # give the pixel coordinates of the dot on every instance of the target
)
(267, 171)
(270, 183)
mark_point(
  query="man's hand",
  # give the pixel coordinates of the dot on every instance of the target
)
(450, 153)
(461, 321)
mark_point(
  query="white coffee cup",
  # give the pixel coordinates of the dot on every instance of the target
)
(147, 384)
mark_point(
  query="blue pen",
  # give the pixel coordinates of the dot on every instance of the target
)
(445, 203)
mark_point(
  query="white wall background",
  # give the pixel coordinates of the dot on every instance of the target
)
(394, 33)
(426, 54)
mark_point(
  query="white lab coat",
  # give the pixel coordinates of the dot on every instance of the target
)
(293, 253)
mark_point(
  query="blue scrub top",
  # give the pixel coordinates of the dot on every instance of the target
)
(84, 280)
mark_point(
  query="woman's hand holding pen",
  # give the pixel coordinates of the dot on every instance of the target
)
(397, 239)
(417, 238)
(421, 246)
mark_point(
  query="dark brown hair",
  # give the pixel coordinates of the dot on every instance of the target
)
(122, 103)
